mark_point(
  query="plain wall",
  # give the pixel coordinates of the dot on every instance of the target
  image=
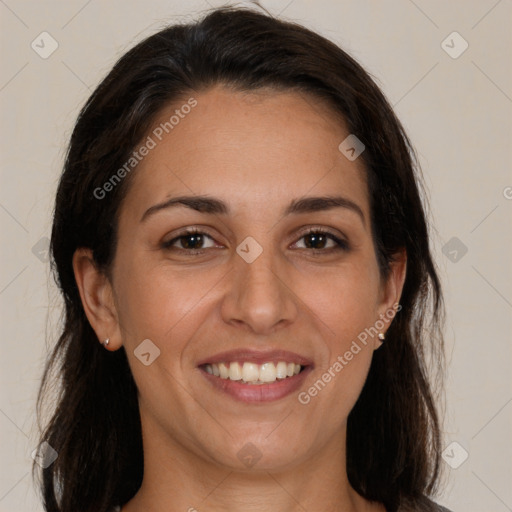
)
(457, 111)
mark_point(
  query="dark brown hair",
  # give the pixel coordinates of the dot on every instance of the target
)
(393, 433)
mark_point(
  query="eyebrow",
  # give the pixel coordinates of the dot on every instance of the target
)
(214, 206)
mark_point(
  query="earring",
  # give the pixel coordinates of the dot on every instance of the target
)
(106, 342)
(381, 337)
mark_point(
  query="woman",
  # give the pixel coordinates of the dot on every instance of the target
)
(244, 259)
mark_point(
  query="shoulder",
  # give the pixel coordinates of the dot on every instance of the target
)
(434, 507)
(426, 505)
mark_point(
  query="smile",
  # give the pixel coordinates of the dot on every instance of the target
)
(252, 373)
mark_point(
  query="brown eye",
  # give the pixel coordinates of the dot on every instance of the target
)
(190, 241)
(318, 239)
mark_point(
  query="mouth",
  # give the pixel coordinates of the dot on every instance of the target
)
(251, 376)
(252, 373)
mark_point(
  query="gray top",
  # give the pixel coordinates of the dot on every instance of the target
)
(441, 509)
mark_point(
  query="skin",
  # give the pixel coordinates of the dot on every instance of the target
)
(256, 152)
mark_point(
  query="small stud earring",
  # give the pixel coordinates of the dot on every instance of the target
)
(106, 342)
(381, 336)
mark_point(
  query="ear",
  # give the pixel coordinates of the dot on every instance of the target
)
(391, 291)
(97, 297)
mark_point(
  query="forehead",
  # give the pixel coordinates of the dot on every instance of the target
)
(258, 148)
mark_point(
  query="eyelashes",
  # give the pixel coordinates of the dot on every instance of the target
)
(319, 233)
(194, 236)
(194, 233)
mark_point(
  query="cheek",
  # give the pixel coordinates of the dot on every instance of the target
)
(160, 303)
(345, 299)
(346, 304)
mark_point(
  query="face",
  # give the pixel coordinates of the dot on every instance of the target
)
(269, 276)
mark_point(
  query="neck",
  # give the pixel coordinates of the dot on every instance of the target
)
(178, 479)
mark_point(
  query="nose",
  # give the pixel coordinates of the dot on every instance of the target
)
(259, 296)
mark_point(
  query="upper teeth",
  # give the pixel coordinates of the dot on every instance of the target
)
(253, 373)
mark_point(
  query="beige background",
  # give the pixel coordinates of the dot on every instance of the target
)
(457, 112)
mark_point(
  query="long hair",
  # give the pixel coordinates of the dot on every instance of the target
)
(393, 431)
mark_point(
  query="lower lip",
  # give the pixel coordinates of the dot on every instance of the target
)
(251, 393)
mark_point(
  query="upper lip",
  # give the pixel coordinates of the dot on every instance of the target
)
(257, 357)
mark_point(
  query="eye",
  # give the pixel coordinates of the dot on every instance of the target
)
(318, 238)
(191, 241)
